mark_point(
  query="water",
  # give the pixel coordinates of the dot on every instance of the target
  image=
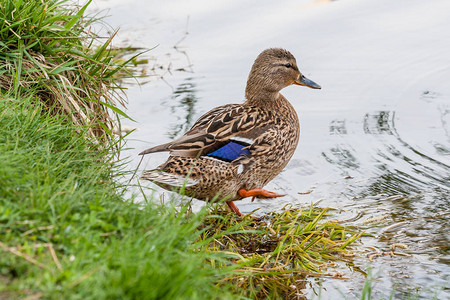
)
(375, 141)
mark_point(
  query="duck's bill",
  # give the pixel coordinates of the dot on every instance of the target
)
(306, 82)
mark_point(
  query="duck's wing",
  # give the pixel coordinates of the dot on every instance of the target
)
(231, 127)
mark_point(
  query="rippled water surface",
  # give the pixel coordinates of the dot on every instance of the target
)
(375, 141)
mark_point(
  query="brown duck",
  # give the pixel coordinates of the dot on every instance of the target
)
(234, 150)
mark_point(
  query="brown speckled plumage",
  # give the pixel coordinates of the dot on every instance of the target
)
(266, 121)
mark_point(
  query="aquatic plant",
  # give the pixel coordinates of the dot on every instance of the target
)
(279, 250)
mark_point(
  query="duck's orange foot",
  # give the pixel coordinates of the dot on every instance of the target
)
(234, 208)
(260, 193)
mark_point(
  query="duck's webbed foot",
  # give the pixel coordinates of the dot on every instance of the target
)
(260, 193)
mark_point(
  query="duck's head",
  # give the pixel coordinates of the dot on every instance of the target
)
(273, 70)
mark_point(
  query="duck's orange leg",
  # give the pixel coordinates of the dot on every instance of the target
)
(234, 208)
(260, 193)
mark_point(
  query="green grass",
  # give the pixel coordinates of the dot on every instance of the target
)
(49, 48)
(66, 232)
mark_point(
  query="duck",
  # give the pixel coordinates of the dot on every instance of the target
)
(234, 150)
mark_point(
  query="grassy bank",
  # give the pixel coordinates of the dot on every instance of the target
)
(66, 229)
(66, 232)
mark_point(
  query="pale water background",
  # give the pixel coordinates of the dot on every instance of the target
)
(375, 141)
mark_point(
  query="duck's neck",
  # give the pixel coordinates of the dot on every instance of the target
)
(268, 100)
(262, 98)
(262, 92)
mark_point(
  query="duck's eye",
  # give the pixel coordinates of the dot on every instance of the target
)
(288, 65)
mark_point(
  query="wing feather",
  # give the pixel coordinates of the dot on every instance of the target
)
(215, 128)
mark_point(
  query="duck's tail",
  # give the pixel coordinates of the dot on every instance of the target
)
(159, 148)
(161, 177)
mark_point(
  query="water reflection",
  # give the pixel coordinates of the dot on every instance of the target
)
(182, 104)
(377, 123)
(342, 157)
(338, 127)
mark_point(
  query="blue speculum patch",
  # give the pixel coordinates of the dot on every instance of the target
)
(230, 151)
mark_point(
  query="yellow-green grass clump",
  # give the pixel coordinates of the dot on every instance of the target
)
(279, 250)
